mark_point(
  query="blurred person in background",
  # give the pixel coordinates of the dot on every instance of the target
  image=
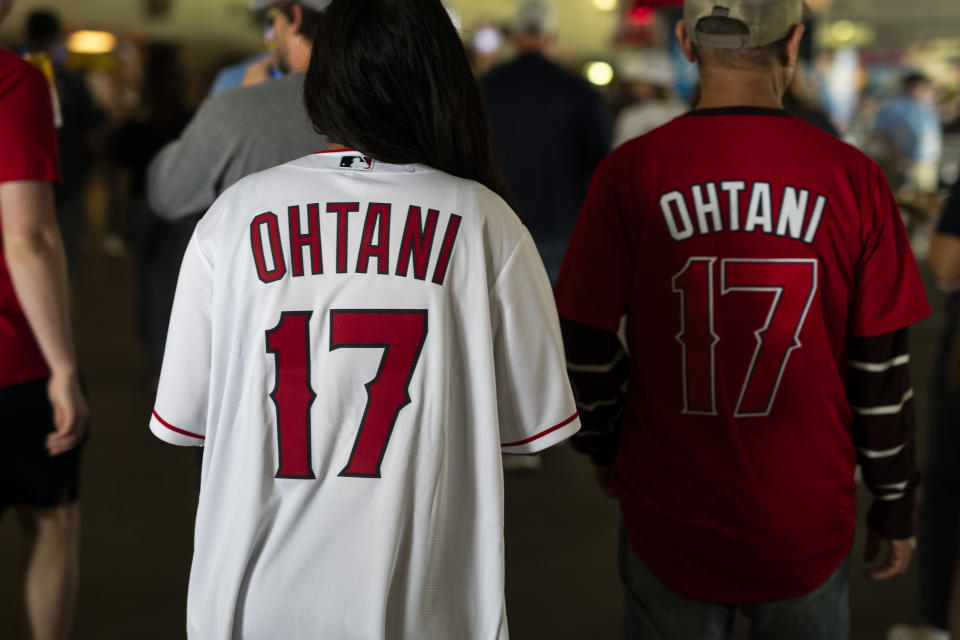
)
(485, 45)
(767, 296)
(551, 128)
(231, 76)
(80, 120)
(910, 125)
(861, 132)
(939, 524)
(802, 99)
(649, 78)
(242, 131)
(246, 72)
(43, 408)
(157, 244)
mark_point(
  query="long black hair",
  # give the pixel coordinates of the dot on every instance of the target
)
(390, 78)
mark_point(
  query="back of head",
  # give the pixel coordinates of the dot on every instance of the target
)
(310, 9)
(741, 34)
(535, 19)
(915, 82)
(390, 78)
(42, 30)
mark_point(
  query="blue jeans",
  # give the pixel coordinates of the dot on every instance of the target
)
(653, 612)
(940, 504)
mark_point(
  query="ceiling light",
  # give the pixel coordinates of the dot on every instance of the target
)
(599, 73)
(91, 42)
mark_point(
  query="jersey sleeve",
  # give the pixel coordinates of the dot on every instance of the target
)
(594, 282)
(889, 291)
(535, 403)
(180, 410)
(28, 137)
(184, 178)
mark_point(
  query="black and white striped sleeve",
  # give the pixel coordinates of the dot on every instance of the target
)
(599, 368)
(884, 426)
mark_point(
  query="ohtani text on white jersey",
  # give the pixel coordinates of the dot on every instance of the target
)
(799, 214)
(412, 257)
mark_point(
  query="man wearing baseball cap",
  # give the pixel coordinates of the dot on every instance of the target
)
(245, 130)
(767, 284)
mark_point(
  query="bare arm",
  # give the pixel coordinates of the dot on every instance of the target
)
(945, 260)
(37, 263)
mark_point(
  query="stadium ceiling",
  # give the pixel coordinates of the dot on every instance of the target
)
(583, 28)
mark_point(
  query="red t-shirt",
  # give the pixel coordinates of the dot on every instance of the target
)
(745, 246)
(28, 151)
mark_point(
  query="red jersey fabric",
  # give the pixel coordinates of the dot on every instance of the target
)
(744, 246)
(28, 151)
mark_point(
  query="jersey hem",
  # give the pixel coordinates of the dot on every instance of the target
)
(740, 596)
(546, 438)
(743, 110)
(173, 435)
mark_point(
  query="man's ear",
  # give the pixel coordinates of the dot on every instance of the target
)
(684, 39)
(297, 18)
(792, 50)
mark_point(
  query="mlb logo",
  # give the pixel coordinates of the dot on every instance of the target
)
(360, 163)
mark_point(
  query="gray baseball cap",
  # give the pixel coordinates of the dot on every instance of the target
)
(316, 5)
(767, 21)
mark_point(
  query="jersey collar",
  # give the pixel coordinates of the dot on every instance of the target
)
(740, 111)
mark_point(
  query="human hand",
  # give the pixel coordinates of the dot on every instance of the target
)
(898, 558)
(259, 71)
(604, 476)
(69, 412)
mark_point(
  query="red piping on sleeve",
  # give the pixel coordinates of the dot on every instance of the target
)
(575, 415)
(173, 428)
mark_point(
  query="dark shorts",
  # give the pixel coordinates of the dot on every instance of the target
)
(29, 476)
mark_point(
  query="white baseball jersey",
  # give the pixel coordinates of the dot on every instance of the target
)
(354, 344)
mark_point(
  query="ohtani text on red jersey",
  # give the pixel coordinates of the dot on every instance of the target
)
(412, 257)
(714, 207)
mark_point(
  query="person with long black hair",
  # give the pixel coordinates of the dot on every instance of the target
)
(357, 336)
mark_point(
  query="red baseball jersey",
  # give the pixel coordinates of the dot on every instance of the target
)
(28, 151)
(744, 246)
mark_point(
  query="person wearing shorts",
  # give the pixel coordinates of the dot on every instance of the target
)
(42, 407)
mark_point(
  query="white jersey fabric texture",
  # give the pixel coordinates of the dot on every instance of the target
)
(354, 344)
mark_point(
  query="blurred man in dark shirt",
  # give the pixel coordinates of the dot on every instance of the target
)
(552, 130)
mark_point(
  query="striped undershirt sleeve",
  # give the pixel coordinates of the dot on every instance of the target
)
(598, 368)
(884, 426)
